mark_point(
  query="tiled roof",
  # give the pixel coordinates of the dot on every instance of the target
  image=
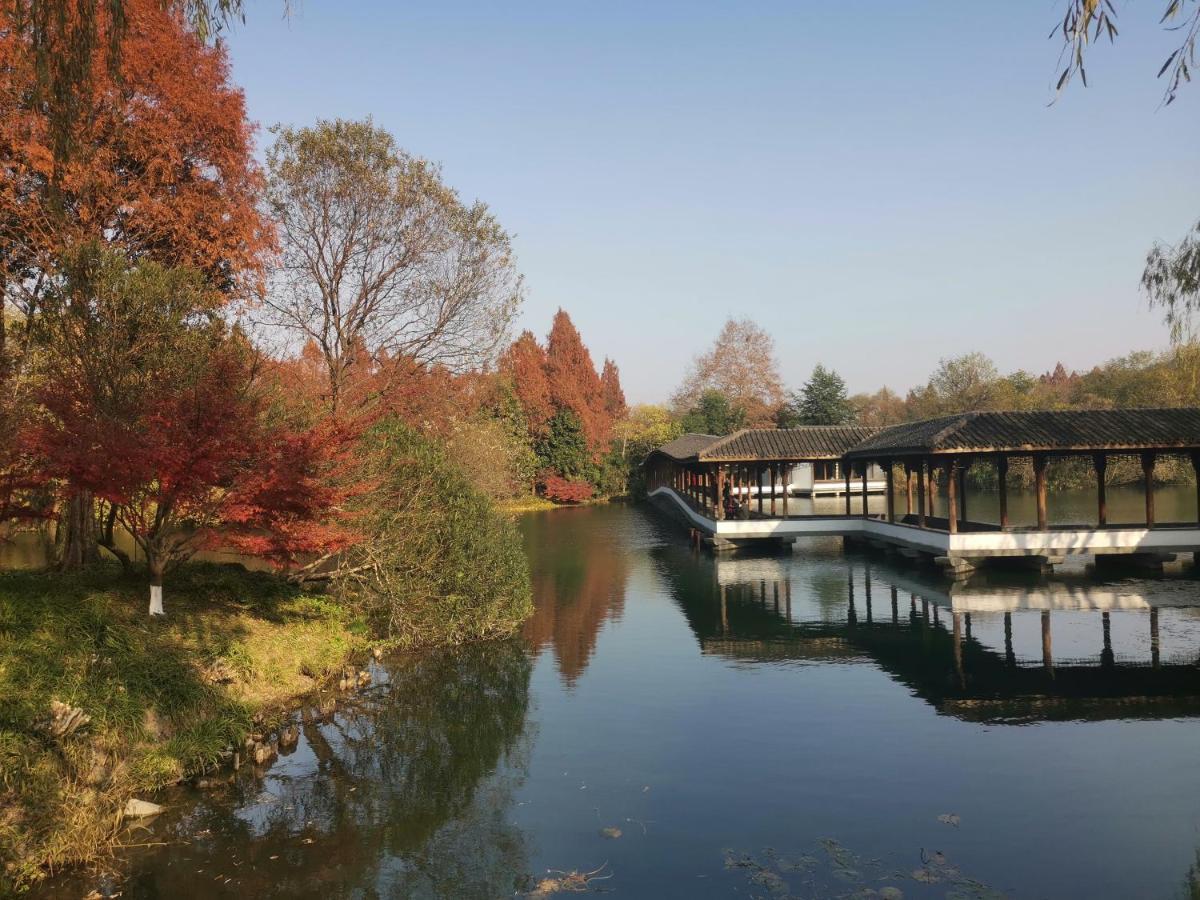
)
(1091, 429)
(686, 446)
(805, 442)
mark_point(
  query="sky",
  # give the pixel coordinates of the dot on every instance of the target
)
(879, 184)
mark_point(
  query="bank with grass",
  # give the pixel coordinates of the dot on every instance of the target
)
(101, 703)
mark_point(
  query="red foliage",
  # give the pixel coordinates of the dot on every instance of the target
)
(574, 383)
(161, 161)
(557, 489)
(611, 394)
(525, 365)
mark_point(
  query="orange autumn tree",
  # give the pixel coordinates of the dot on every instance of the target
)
(569, 410)
(161, 168)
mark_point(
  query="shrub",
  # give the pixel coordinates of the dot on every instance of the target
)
(438, 563)
(561, 490)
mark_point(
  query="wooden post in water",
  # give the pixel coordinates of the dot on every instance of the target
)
(921, 493)
(895, 606)
(1002, 482)
(1039, 477)
(1148, 476)
(1154, 655)
(1010, 658)
(951, 468)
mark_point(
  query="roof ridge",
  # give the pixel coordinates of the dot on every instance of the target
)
(959, 420)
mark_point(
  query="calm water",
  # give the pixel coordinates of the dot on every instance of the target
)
(787, 726)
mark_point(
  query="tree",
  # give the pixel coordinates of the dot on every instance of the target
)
(574, 384)
(741, 366)
(646, 427)
(151, 405)
(161, 168)
(381, 258)
(611, 394)
(524, 365)
(878, 410)
(564, 450)
(823, 400)
(714, 414)
(960, 384)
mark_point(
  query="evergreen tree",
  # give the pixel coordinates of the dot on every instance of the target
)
(822, 401)
(564, 449)
(714, 414)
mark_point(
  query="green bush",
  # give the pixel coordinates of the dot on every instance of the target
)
(439, 564)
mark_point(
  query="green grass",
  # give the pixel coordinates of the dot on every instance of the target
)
(155, 717)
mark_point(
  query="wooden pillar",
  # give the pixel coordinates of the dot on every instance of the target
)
(1039, 477)
(759, 473)
(962, 489)
(787, 480)
(909, 485)
(921, 493)
(888, 476)
(1002, 483)
(1148, 475)
(1100, 464)
(931, 489)
(1196, 472)
(720, 510)
(866, 468)
(951, 469)
(849, 466)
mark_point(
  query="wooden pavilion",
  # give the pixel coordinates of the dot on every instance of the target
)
(753, 466)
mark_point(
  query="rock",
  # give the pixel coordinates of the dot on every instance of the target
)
(64, 720)
(364, 678)
(263, 753)
(219, 671)
(289, 736)
(377, 653)
(140, 809)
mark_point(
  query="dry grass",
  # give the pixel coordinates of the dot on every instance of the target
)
(167, 699)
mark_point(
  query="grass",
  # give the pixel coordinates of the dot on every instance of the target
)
(158, 714)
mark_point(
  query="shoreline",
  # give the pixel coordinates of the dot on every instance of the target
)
(101, 705)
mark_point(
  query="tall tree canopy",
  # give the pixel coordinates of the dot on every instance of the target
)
(822, 400)
(741, 366)
(380, 257)
(574, 383)
(714, 413)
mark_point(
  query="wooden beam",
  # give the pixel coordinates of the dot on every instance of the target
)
(1002, 483)
(1100, 464)
(1039, 477)
(1148, 460)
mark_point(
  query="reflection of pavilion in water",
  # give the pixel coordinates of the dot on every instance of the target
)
(995, 652)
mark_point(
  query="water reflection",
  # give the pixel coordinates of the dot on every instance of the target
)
(406, 790)
(578, 584)
(987, 651)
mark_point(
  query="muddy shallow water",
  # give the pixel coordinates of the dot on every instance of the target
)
(810, 725)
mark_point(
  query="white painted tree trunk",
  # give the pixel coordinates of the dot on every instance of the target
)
(156, 607)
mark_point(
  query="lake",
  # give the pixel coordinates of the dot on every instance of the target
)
(815, 724)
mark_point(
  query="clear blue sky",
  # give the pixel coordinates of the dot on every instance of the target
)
(881, 184)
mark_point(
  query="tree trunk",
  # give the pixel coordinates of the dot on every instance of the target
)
(156, 579)
(77, 533)
(107, 541)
